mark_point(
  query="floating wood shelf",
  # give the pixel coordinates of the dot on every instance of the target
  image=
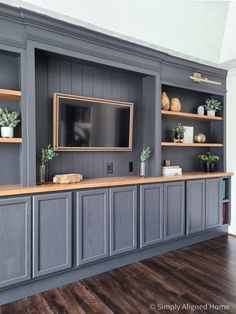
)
(10, 94)
(11, 140)
(172, 144)
(191, 116)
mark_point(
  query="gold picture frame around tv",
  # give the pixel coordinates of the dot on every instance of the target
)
(91, 124)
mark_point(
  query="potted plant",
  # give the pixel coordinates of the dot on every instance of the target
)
(212, 105)
(47, 154)
(145, 154)
(179, 130)
(209, 161)
(8, 121)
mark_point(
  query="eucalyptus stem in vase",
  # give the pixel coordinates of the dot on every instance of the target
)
(47, 154)
(145, 154)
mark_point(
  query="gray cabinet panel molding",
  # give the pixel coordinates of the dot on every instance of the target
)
(151, 214)
(52, 233)
(213, 203)
(15, 240)
(123, 219)
(91, 226)
(174, 210)
(195, 206)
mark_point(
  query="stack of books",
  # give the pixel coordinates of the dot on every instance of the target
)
(168, 171)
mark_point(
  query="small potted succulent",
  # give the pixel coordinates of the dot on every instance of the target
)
(212, 105)
(145, 154)
(47, 154)
(209, 161)
(179, 130)
(8, 121)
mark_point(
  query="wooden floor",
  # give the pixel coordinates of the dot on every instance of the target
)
(203, 275)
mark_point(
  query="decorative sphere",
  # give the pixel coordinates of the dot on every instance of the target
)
(200, 138)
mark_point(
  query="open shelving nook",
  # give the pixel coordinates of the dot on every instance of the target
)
(226, 200)
(184, 154)
(10, 98)
(57, 73)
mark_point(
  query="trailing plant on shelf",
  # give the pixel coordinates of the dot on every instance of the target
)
(8, 121)
(208, 161)
(145, 154)
(179, 130)
(47, 154)
(212, 105)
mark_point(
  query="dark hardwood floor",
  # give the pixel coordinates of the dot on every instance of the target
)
(202, 276)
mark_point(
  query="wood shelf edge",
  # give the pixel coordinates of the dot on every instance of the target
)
(192, 116)
(10, 94)
(11, 140)
(172, 144)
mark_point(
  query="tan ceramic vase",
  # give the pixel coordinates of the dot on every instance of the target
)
(165, 102)
(175, 104)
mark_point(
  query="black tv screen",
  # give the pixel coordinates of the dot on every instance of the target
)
(82, 123)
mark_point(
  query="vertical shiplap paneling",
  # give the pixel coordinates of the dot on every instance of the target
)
(69, 76)
(97, 92)
(66, 87)
(53, 87)
(42, 110)
(77, 89)
(107, 93)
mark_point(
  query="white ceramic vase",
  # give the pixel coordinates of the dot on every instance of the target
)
(7, 132)
(142, 170)
(200, 110)
(211, 113)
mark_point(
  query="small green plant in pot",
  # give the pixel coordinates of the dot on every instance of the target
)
(179, 130)
(212, 105)
(145, 154)
(47, 154)
(8, 121)
(209, 161)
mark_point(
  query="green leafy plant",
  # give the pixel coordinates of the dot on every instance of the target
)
(213, 104)
(208, 158)
(145, 154)
(47, 154)
(179, 128)
(9, 119)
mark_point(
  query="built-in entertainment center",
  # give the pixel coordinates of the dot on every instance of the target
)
(97, 100)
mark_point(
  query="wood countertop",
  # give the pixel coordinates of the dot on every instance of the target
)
(11, 190)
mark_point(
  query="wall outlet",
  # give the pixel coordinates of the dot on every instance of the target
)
(131, 166)
(109, 167)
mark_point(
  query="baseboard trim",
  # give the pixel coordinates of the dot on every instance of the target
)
(38, 285)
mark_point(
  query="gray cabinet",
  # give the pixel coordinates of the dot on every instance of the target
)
(52, 233)
(196, 206)
(91, 225)
(151, 214)
(174, 210)
(123, 219)
(213, 203)
(15, 243)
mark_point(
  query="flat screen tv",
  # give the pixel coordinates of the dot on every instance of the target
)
(91, 124)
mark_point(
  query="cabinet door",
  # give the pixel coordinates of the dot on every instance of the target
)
(213, 203)
(15, 244)
(123, 219)
(151, 214)
(196, 209)
(174, 210)
(52, 233)
(92, 225)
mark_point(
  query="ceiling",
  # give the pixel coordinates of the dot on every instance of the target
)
(203, 31)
